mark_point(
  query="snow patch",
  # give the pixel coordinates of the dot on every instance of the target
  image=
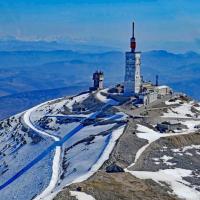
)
(104, 99)
(173, 102)
(105, 156)
(181, 111)
(77, 99)
(81, 195)
(150, 135)
(166, 159)
(173, 177)
(99, 162)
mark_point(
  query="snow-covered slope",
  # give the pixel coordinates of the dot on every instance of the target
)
(67, 140)
(19, 145)
(56, 143)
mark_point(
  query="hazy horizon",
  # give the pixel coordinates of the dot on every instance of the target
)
(168, 25)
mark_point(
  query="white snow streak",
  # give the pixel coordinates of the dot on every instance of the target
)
(105, 156)
(104, 99)
(56, 160)
(81, 195)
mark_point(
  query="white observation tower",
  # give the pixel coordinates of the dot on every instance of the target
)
(132, 80)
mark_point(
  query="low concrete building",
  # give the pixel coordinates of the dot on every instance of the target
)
(148, 97)
(147, 86)
(170, 127)
(163, 90)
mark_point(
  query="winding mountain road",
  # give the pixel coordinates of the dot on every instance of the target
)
(55, 146)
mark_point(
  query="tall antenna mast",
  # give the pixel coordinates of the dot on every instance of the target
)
(133, 42)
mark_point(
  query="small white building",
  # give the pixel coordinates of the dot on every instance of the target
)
(148, 97)
(163, 90)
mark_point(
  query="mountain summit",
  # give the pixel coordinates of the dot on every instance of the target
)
(98, 145)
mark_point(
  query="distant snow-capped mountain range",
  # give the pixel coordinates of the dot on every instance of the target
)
(27, 69)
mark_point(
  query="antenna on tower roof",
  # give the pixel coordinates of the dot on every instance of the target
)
(133, 42)
(157, 77)
(133, 30)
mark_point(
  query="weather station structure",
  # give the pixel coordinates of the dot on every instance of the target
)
(98, 81)
(132, 80)
(141, 92)
(134, 85)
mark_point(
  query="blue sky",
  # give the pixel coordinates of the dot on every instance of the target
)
(160, 24)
